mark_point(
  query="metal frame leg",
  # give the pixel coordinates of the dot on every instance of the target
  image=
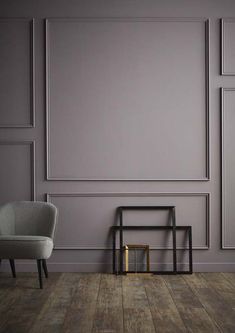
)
(114, 252)
(121, 244)
(148, 259)
(174, 241)
(12, 263)
(190, 251)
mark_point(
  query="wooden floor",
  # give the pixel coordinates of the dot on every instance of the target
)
(74, 302)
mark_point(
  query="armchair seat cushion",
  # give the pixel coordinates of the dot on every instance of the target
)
(25, 247)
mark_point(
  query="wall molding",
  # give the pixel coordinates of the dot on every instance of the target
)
(31, 22)
(49, 196)
(206, 22)
(222, 46)
(222, 173)
(31, 144)
(95, 267)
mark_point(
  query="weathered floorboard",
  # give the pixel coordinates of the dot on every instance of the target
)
(137, 314)
(222, 286)
(52, 314)
(230, 277)
(105, 303)
(23, 311)
(109, 312)
(214, 304)
(164, 311)
(80, 313)
(191, 310)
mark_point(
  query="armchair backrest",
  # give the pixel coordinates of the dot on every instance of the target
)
(28, 218)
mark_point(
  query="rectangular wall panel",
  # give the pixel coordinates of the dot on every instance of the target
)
(17, 73)
(17, 174)
(85, 219)
(228, 167)
(119, 93)
(227, 46)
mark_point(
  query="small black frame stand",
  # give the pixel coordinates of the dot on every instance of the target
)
(173, 228)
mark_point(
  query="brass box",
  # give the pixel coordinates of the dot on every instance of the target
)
(128, 247)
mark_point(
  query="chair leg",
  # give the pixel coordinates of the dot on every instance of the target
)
(39, 262)
(13, 270)
(44, 265)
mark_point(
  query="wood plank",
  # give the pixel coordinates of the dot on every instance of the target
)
(164, 311)
(214, 304)
(230, 277)
(192, 312)
(218, 281)
(108, 320)
(222, 286)
(15, 290)
(22, 312)
(134, 294)
(110, 293)
(9, 292)
(138, 320)
(92, 303)
(137, 314)
(52, 314)
(80, 314)
(109, 312)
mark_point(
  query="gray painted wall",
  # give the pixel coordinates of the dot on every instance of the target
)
(109, 103)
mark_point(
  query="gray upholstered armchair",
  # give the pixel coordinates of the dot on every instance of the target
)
(26, 232)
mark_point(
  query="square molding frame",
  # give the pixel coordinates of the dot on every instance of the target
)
(32, 73)
(222, 46)
(206, 21)
(222, 174)
(49, 196)
(31, 144)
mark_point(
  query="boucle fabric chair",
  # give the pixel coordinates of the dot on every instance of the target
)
(26, 232)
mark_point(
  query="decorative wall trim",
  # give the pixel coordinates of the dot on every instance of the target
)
(144, 195)
(222, 46)
(130, 19)
(31, 144)
(32, 74)
(24, 266)
(222, 175)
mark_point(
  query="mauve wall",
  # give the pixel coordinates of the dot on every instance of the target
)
(109, 103)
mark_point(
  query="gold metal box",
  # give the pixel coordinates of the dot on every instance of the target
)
(136, 247)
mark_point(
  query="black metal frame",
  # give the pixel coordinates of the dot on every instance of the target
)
(172, 228)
